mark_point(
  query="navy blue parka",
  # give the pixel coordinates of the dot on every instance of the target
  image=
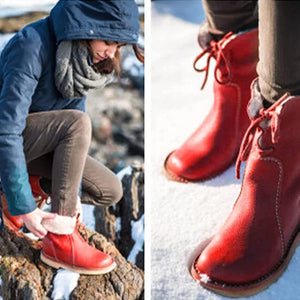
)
(27, 66)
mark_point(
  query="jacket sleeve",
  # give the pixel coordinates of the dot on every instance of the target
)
(21, 69)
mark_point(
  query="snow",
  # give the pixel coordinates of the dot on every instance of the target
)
(185, 215)
(118, 224)
(18, 7)
(0, 285)
(31, 236)
(137, 234)
(123, 172)
(69, 280)
(4, 38)
(88, 216)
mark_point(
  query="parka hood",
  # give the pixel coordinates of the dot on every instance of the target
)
(108, 20)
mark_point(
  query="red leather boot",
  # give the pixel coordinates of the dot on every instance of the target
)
(63, 247)
(214, 146)
(14, 222)
(259, 237)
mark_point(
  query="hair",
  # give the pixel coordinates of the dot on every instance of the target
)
(139, 53)
(109, 65)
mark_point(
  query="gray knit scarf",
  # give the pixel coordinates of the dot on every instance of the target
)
(73, 74)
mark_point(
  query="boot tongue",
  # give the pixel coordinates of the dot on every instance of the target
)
(264, 125)
(256, 102)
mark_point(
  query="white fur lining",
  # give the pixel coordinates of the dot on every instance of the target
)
(60, 224)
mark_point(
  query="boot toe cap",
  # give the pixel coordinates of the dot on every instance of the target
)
(207, 269)
(104, 260)
(225, 265)
(220, 264)
(175, 167)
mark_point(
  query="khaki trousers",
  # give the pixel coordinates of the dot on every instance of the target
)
(56, 145)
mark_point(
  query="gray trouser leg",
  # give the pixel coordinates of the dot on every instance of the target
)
(67, 134)
(100, 186)
(225, 16)
(279, 29)
(279, 55)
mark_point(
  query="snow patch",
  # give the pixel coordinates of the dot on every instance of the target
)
(18, 7)
(31, 236)
(1, 286)
(4, 38)
(139, 2)
(64, 283)
(137, 234)
(204, 278)
(118, 224)
(88, 216)
(133, 67)
(123, 172)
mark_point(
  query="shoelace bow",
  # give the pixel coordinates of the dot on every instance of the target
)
(215, 50)
(264, 115)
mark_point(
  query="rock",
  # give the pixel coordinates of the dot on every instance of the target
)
(24, 276)
(16, 23)
(135, 146)
(117, 116)
(102, 129)
(117, 222)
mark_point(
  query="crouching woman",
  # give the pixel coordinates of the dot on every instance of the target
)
(46, 70)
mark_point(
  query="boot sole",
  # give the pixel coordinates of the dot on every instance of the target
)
(58, 264)
(250, 288)
(173, 177)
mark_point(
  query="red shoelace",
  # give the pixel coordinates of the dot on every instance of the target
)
(215, 50)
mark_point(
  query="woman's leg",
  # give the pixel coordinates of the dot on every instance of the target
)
(279, 58)
(235, 16)
(100, 186)
(63, 137)
(67, 135)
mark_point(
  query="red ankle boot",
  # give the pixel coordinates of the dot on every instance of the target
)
(14, 222)
(258, 239)
(63, 247)
(214, 146)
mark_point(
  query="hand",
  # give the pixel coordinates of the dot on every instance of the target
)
(33, 221)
